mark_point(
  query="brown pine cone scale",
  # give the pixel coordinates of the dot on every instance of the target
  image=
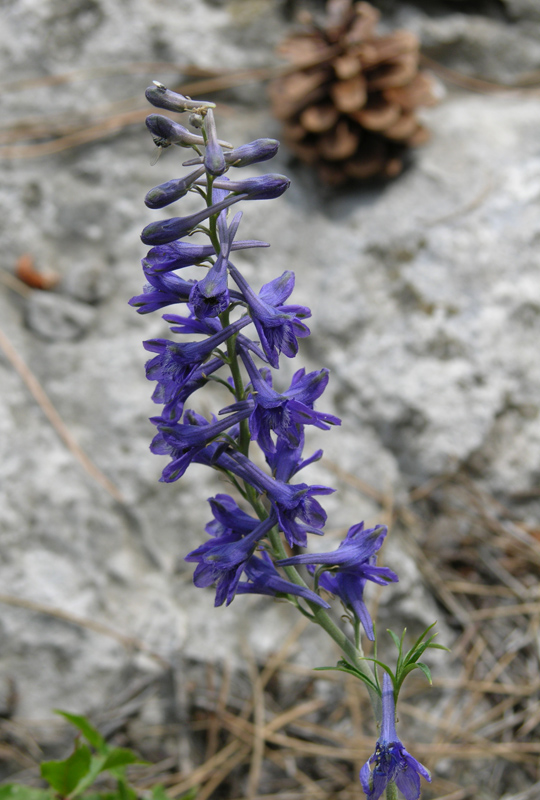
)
(348, 106)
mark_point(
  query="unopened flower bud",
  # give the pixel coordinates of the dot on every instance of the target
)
(165, 132)
(160, 96)
(168, 192)
(263, 187)
(168, 230)
(196, 120)
(252, 153)
(214, 160)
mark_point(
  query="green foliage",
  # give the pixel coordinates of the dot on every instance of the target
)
(16, 791)
(349, 669)
(92, 736)
(407, 662)
(71, 777)
(65, 776)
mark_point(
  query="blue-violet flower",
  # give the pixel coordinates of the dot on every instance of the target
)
(354, 563)
(391, 763)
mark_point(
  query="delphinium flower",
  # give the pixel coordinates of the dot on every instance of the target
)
(351, 565)
(391, 765)
(241, 333)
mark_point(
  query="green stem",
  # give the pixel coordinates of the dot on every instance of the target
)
(322, 618)
(236, 375)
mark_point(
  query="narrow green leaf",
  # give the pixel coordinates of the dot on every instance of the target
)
(383, 666)
(414, 655)
(422, 636)
(394, 639)
(426, 670)
(356, 673)
(64, 776)
(90, 733)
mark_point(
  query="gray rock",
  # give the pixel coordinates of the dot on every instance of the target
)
(57, 318)
(523, 9)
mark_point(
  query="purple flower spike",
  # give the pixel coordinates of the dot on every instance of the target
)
(223, 559)
(278, 326)
(168, 230)
(265, 579)
(355, 561)
(214, 160)
(391, 763)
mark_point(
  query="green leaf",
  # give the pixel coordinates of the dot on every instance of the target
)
(64, 776)
(426, 670)
(158, 792)
(90, 733)
(120, 757)
(343, 666)
(16, 791)
(96, 766)
(125, 792)
(394, 639)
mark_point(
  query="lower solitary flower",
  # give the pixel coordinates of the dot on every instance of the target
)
(391, 763)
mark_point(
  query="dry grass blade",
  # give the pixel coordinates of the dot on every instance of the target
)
(258, 741)
(234, 749)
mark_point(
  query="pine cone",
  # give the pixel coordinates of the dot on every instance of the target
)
(348, 103)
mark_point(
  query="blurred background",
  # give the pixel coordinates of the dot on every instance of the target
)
(425, 292)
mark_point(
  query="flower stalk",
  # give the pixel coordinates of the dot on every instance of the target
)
(246, 552)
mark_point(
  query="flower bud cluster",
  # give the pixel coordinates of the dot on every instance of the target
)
(241, 333)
